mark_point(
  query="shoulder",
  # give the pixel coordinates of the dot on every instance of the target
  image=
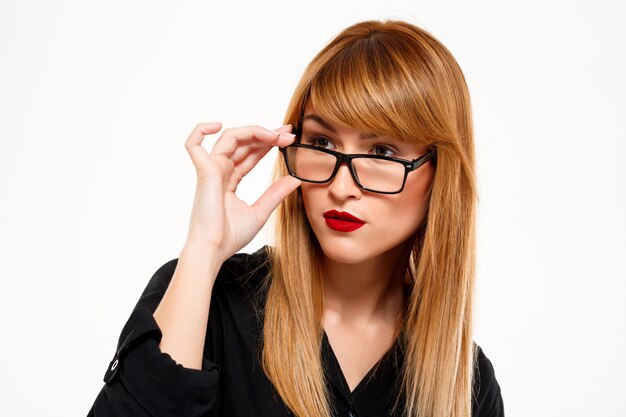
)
(486, 395)
(245, 269)
(241, 267)
(242, 282)
(241, 272)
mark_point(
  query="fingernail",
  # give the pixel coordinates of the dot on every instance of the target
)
(283, 127)
(289, 135)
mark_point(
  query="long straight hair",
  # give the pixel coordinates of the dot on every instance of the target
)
(390, 78)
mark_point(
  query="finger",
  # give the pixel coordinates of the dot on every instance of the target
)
(193, 144)
(285, 132)
(233, 137)
(243, 152)
(273, 196)
(245, 165)
(246, 161)
(285, 128)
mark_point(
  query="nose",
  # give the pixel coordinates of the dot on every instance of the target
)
(343, 185)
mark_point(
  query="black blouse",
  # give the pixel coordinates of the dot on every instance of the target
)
(143, 381)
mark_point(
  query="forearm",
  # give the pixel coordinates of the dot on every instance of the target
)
(183, 312)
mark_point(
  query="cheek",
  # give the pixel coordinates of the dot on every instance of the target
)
(403, 218)
(411, 205)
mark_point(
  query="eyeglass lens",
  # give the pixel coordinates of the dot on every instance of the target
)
(374, 174)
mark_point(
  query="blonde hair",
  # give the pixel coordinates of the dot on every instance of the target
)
(390, 78)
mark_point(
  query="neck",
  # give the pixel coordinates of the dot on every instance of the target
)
(366, 292)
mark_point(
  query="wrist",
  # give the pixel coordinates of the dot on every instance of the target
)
(202, 253)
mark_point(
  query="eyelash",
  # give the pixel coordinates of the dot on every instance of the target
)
(314, 140)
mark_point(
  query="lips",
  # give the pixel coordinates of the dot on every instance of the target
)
(342, 221)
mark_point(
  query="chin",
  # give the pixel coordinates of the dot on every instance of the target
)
(354, 249)
(346, 251)
(344, 257)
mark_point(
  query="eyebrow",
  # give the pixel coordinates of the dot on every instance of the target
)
(326, 125)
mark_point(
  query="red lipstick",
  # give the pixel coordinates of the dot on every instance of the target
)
(342, 221)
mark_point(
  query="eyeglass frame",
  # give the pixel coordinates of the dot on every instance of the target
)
(343, 158)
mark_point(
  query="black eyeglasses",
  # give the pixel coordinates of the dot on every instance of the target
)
(378, 174)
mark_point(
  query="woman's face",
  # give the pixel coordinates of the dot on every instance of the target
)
(389, 220)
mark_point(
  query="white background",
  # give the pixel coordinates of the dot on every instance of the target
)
(97, 98)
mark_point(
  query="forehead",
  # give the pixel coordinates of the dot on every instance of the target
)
(327, 123)
(338, 127)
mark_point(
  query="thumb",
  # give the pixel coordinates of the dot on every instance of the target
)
(273, 196)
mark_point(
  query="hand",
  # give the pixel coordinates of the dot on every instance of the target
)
(219, 218)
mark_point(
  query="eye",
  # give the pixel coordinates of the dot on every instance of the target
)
(384, 150)
(319, 141)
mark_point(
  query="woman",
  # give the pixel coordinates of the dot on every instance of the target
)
(364, 305)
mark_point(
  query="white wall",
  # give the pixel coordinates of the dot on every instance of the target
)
(97, 98)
